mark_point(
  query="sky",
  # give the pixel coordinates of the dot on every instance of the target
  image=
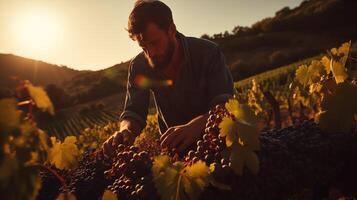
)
(91, 35)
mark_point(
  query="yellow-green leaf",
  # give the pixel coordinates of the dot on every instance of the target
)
(64, 155)
(315, 87)
(175, 181)
(232, 106)
(339, 71)
(166, 177)
(228, 129)
(242, 112)
(306, 75)
(249, 135)
(39, 95)
(241, 157)
(344, 49)
(195, 178)
(326, 63)
(301, 75)
(338, 109)
(109, 195)
(66, 196)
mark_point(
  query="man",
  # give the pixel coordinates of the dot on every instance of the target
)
(187, 76)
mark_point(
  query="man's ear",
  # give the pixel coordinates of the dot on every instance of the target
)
(172, 30)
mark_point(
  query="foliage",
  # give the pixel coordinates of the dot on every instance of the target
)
(64, 155)
(93, 138)
(177, 181)
(22, 146)
(40, 98)
(242, 136)
(338, 111)
(335, 111)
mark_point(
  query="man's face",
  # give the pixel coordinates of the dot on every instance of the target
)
(158, 46)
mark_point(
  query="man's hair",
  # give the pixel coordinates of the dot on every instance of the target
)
(146, 11)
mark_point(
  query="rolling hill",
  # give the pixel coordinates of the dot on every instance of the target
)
(289, 36)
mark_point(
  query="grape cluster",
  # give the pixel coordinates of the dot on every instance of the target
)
(131, 174)
(209, 148)
(87, 180)
(50, 184)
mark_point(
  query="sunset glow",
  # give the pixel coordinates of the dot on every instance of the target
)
(37, 33)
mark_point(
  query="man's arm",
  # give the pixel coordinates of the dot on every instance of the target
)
(133, 117)
(220, 89)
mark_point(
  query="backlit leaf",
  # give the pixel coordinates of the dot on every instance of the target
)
(301, 75)
(109, 195)
(241, 157)
(339, 71)
(64, 155)
(175, 181)
(326, 63)
(338, 109)
(39, 95)
(228, 129)
(66, 196)
(195, 178)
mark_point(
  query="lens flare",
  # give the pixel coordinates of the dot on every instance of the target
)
(145, 82)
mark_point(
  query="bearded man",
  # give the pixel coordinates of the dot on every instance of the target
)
(187, 77)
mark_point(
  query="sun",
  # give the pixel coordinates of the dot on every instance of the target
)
(38, 33)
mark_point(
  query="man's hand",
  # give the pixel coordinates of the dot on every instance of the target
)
(128, 130)
(119, 137)
(182, 137)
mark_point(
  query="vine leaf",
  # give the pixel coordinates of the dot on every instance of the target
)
(64, 155)
(66, 196)
(39, 95)
(165, 176)
(175, 181)
(326, 63)
(243, 128)
(242, 137)
(338, 111)
(195, 178)
(339, 71)
(109, 195)
(228, 129)
(241, 157)
(306, 75)
(338, 62)
(9, 115)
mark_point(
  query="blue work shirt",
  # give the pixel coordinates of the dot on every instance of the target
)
(203, 82)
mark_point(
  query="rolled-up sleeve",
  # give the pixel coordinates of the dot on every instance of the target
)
(136, 100)
(220, 81)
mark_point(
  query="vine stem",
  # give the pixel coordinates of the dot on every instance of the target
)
(178, 188)
(53, 172)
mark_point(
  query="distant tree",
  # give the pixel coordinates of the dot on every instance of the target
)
(218, 36)
(206, 36)
(240, 30)
(283, 12)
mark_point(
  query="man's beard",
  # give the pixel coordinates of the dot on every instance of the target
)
(162, 61)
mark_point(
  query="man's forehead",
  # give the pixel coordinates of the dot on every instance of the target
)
(151, 33)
